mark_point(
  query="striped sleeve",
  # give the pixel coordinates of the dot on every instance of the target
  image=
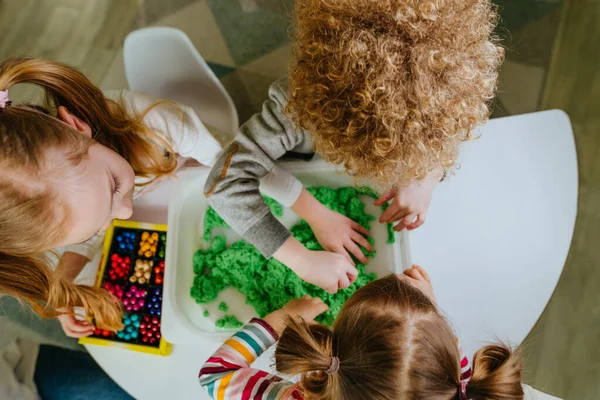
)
(227, 374)
(465, 366)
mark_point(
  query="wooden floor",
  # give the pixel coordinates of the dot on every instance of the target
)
(563, 350)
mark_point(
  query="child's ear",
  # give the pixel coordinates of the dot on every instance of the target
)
(74, 122)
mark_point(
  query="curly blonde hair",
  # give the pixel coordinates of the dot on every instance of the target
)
(390, 88)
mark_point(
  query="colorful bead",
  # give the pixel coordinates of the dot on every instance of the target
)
(134, 299)
(119, 267)
(115, 289)
(125, 241)
(148, 244)
(141, 272)
(150, 330)
(154, 303)
(159, 273)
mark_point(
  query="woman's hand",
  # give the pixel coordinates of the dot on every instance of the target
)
(419, 278)
(409, 204)
(305, 307)
(72, 326)
(330, 271)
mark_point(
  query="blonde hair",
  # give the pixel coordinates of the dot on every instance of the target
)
(392, 344)
(390, 88)
(32, 217)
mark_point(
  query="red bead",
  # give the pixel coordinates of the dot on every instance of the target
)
(155, 320)
(152, 340)
(157, 335)
(105, 333)
(145, 339)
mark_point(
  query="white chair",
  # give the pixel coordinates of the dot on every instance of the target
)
(164, 63)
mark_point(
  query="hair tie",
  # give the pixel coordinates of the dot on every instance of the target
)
(4, 101)
(334, 366)
(463, 391)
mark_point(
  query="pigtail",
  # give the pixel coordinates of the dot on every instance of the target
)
(307, 349)
(496, 374)
(30, 280)
(148, 153)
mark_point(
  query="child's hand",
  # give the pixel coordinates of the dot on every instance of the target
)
(339, 234)
(419, 278)
(330, 271)
(305, 307)
(409, 204)
(72, 326)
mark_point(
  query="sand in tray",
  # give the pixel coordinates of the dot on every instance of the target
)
(268, 284)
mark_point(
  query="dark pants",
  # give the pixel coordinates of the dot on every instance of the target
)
(62, 374)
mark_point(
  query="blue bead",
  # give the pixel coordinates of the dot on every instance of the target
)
(134, 317)
(134, 335)
(151, 312)
(127, 336)
(158, 312)
(136, 324)
(119, 238)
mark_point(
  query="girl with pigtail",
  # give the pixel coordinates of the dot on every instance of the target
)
(67, 170)
(389, 342)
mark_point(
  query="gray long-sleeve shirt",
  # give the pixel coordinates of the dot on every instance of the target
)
(232, 186)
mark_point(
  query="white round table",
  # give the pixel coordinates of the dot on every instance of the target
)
(494, 243)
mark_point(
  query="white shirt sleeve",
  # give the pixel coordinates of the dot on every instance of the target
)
(88, 249)
(282, 186)
(176, 123)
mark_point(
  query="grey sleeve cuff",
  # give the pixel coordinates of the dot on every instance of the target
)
(267, 235)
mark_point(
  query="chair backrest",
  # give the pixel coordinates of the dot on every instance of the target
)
(164, 63)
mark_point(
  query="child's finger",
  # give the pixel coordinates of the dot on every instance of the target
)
(413, 273)
(388, 216)
(387, 196)
(420, 220)
(360, 229)
(356, 251)
(423, 272)
(344, 282)
(361, 241)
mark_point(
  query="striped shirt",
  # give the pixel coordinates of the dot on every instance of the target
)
(228, 375)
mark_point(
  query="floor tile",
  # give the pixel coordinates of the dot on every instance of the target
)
(237, 90)
(257, 87)
(198, 22)
(520, 87)
(275, 64)
(250, 33)
(220, 70)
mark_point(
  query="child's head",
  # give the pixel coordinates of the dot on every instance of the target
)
(67, 171)
(392, 343)
(390, 88)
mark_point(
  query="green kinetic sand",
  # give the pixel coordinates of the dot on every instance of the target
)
(206, 314)
(268, 284)
(229, 322)
(223, 307)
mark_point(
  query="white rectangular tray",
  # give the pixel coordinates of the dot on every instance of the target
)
(182, 318)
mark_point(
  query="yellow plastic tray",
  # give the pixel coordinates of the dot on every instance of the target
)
(164, 348)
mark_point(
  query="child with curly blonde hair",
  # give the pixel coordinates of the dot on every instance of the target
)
(386, 89)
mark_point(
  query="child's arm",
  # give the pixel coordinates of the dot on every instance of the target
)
(409, 204)
(228, 374)
(232, 189)
(232, 186)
